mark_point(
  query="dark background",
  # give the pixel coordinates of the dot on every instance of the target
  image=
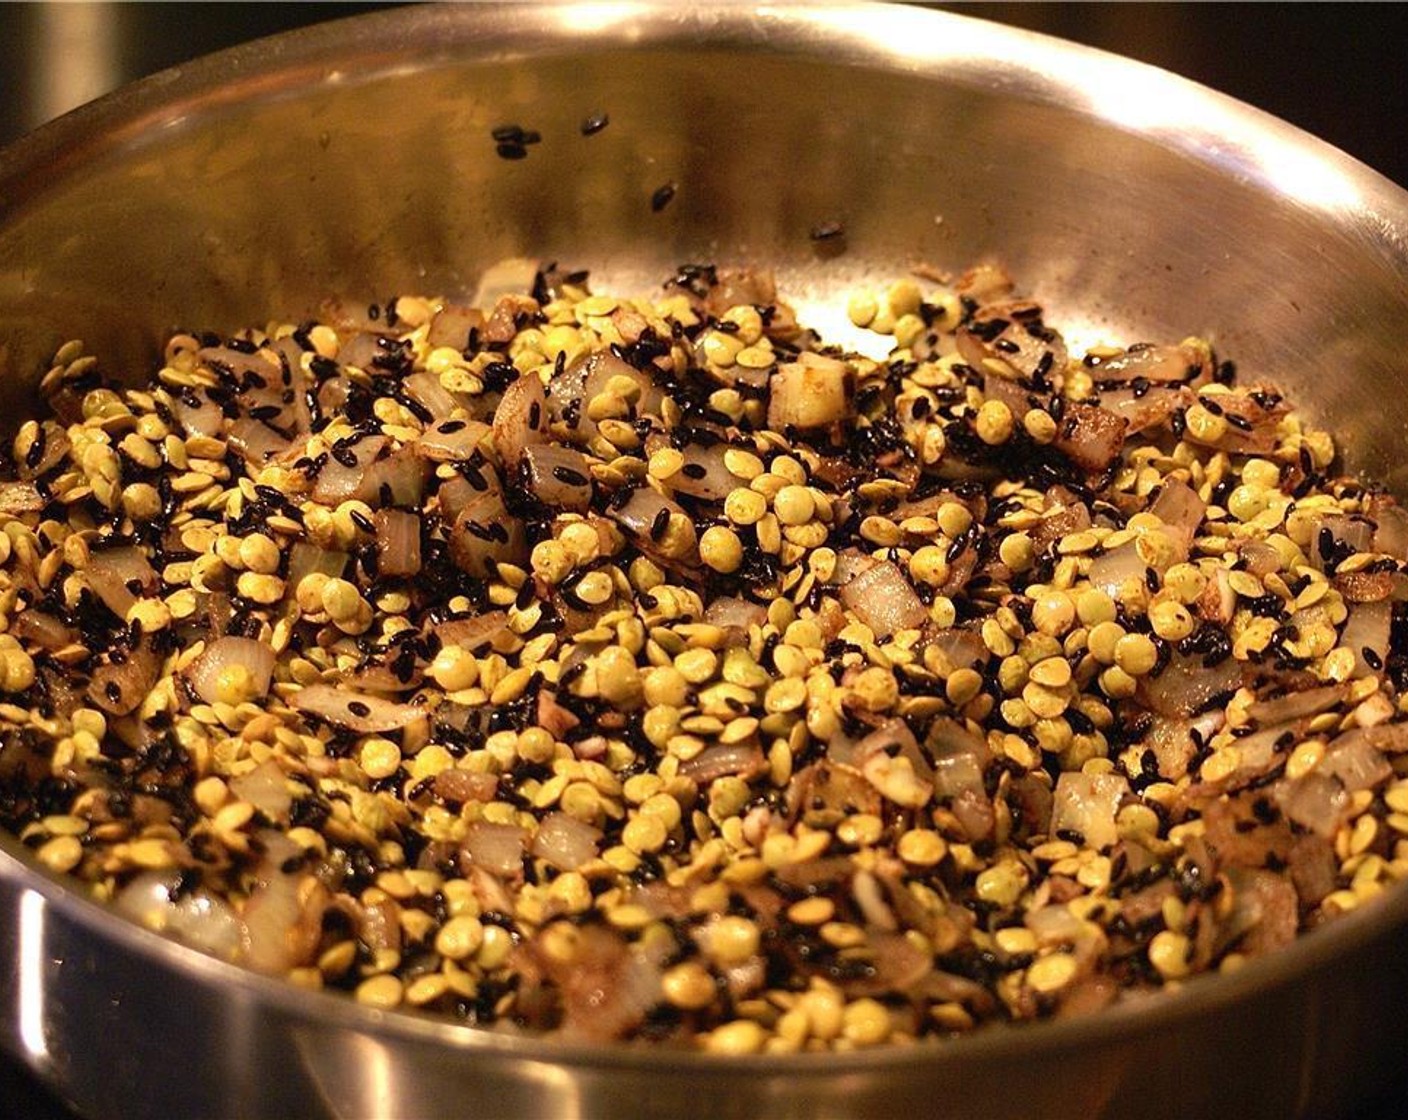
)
(1336, 70)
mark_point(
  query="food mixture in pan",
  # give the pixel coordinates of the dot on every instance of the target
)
(649, 670)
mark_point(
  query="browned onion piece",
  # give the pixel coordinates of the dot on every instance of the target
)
(1186, 686)
(496, 848)
(426, 390)
(119, 687)
(341, 475)
(1172, 744)
(304, 558)
(460, 786)
(35, 627)
(1012, 333)
(1144, 410)
(703, 475)
(643, 516)
(1182, 363)
(570, 392)
(484, 534)
(333, 395)
(119, 576)
(1296, 705)
(1355, 762)
(961, 649)
(228, 653)
(1316, 801)
(553, 717)
(735, 616)
(1253, 431)
(959, 757)
(984, 283)
(520, 419)
(266, 788)
(1265, 912)
(397, 479)
(397, 542)
(742, 759)
(456, 492)
(1018, 400)
(1366, 632)
(1334, 533)
(607, 989)
(471, 633)
(558, 476)
(1090, 437)
(1179, 507)
(366, 350)
(812, 392)
(1086, 804)
(352, 711)
(564, 842)
(451, 441)
(883, 599)
(451, 325)
(1391, 532)
(1364, 587)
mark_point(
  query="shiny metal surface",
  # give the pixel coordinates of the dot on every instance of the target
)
(355, 159)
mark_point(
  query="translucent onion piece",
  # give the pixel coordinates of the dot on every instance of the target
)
(225, 655)
(884, 600)
(1086, 804)
(565, 842)
(352, 711)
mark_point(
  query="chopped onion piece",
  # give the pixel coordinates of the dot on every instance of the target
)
(1086, 804)
(1316, 801)
(198, 414)
(195, 918)
(558, 476)
(743, 759)
(496, 848)
(119, 687)
(811, 392)
(1179, 507)
(341, 475)
(1186, 686)
(362, 713)
(256, 442)
(521, 418)
(471, 633)
(397, 479)
(281, 926)
(426, 390)
(452, 441)
(305, 558)
(397, 542)
(1366, 632)
(119, 576)
(241, 664)
(884, 600)
(565, 842)
(484, 535)
(1090, 437)
(266, 788)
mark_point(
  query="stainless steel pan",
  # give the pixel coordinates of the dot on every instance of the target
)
(355, 158)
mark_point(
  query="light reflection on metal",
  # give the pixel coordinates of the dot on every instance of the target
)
(79, 56)
(1136, 97)
(32, 967)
